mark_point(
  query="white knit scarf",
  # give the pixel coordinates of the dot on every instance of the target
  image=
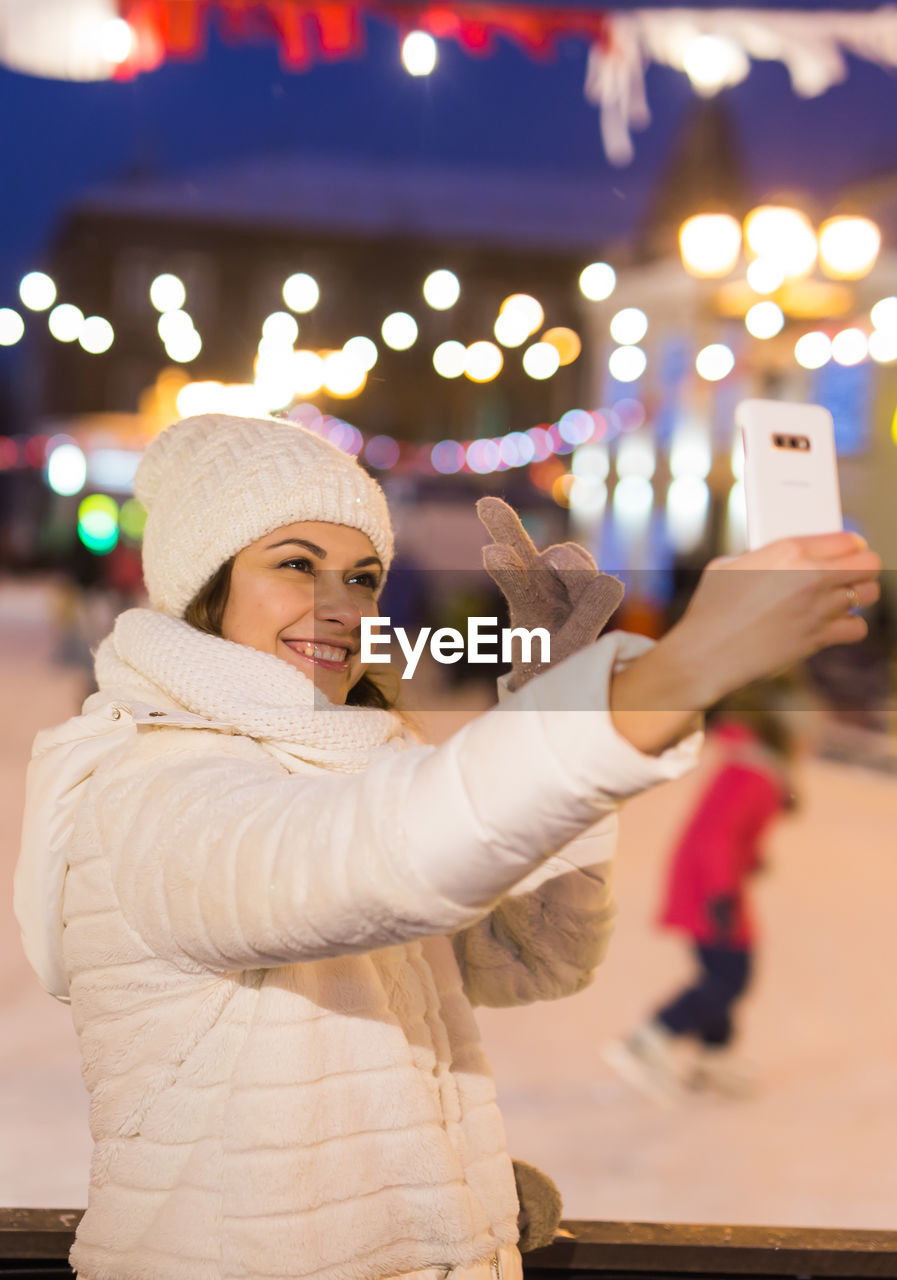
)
(255, 693)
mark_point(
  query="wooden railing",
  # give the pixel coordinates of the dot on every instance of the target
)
(35, 1243)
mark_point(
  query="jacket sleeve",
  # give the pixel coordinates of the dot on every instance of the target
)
(219, 863)
(545, 939)
(740, 806)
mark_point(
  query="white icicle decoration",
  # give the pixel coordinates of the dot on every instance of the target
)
(811, 45)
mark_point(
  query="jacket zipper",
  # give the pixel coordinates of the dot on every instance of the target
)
(495, 1266)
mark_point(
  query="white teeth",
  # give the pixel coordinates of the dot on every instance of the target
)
(325, 652)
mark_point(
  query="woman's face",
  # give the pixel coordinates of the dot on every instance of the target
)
(300, 593)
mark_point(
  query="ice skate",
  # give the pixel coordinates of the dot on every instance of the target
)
(645, 1060)
(720, 1071)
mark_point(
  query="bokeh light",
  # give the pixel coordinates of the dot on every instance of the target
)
(281, 328)
(483, 456)
(116, 40)
(343, 435)
(12, 327)
(419, 53)
(447, 457)
(715, 362)
(566, 341)
(627, 364)
(592, 460)
(636, 456)
(632, 502)
(343, 378)
(216, 397)
(813, 350)
(361, 351)
(450, 359)
(301, 292)
(541, 360)
(399, 330)
(765, 275)
(173, 325)
(629, 326)
(597, 281)
(98, 523)
(764, 320)
(66, 468)
(691, 452)
(711, 62)
(382, 452)
(576, 426)
(308, 373)
(37, 291)
(132, 518)
(562, 487)
(97, 335)
(184, 346)
(710, 244)
(274, 382)
(848, 247)
(587, 497)
(525, 309)
(883, 346)
(167, 292)
(516, 449)
(511, 329)
(542, 445)
(688, 503)
(782, 235)
(884, 314)
(483, 361)
(65, 321)
(849, 347)
(442, 289)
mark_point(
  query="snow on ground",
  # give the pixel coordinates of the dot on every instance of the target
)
(817, 1145)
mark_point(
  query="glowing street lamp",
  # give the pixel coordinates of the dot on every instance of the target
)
(848, 247)
(710, 244)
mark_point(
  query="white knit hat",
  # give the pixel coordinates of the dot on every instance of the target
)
(215, 483)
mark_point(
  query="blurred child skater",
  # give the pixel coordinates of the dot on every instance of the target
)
(706, 896)
(272, 911)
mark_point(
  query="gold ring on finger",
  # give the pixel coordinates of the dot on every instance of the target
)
(853, 600)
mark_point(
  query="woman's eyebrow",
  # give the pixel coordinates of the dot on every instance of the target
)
(300, 542)
(320, 552)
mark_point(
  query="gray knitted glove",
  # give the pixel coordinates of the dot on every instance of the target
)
(560, 588)
(540, 1207)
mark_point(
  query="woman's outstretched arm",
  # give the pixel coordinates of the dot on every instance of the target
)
(749, 617)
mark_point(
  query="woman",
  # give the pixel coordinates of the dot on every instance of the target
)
(278, 910)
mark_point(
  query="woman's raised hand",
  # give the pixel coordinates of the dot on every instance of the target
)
(751, 616)
(755, 614)
(560, 589)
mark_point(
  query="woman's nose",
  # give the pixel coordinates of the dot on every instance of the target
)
(335, 600)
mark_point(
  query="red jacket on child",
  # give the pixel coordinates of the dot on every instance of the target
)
(720, 846)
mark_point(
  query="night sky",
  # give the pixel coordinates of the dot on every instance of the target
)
(505, 111)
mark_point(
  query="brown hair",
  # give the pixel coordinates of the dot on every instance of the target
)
(762, 706)
(205, 612)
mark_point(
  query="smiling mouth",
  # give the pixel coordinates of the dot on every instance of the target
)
(329, 656)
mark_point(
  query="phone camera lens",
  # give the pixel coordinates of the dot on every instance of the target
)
(780, 440)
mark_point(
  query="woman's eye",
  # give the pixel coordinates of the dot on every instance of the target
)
(368, 580)
(298, 562)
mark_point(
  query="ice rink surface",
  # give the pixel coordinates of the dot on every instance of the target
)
(815, 1146)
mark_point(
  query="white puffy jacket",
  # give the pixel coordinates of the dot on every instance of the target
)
(272, 939)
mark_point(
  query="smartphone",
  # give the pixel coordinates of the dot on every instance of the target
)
(790, 470)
